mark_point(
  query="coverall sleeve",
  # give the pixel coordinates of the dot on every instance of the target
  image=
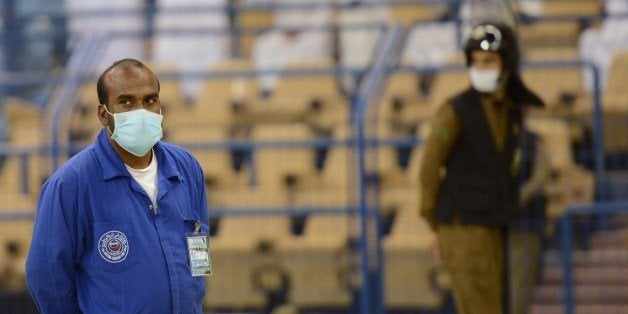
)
(51, 262)
(444, 132)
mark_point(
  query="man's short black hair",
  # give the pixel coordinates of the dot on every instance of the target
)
(103, 96)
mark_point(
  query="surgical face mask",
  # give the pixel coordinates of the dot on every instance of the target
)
(485, 81)
(137, 131)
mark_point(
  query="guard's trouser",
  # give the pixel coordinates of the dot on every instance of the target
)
(474, 257)
(525, 248)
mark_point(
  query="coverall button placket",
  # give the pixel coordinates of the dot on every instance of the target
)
(159, 221)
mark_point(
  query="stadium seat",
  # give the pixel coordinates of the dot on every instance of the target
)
(339, 171)
(170, 91)
(577, 8)
(239, 66)
(410, 13)
(409, 265)
(568, 184)
(243, 243)
(614, 106)
(316, 259)
(555, 136)
(14, 181)
(393, 160)
(252, 22)
(553, 84)
(402, 84)
(221, 101)
(544, 54)
(26, 130)
(13, 202)
(215, 158)
(616, 88)
(295, 93)
(251, 18)
(447, 84)
(225, 95)
(322, 229)
(404, 103)
(304, 87)
(561, 33)
(292, 166)
(257, 226)
(18, 231)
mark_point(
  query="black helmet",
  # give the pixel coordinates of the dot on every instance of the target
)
(498, 37)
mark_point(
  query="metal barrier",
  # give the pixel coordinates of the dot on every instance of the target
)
(600, 219)
(368, 96)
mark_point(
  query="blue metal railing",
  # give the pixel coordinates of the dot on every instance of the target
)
(596, 118)
(566, 223)
(80, 66)
(369, 92)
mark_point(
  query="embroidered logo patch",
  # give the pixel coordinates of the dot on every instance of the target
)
(113, 246)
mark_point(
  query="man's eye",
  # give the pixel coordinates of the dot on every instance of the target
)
(150, 101)
(127, 102)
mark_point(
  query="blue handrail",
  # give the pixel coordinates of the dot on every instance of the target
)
(82, 62)
(600, 208)
(371, 296)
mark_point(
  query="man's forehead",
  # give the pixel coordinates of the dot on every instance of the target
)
(137, 72)
(124, 77)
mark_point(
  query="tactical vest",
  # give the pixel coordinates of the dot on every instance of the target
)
(480, 186)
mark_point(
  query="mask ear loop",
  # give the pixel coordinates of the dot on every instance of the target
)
(111, 114)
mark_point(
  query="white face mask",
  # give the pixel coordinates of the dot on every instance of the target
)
(137, 131)
(484, 81)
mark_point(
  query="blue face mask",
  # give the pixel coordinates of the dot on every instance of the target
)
(137, 131)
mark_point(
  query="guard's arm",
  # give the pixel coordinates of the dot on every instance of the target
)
(51, 266)
(444, 132)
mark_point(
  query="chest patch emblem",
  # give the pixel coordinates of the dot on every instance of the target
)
(113, 246)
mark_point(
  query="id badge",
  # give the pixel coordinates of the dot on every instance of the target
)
(198, 250)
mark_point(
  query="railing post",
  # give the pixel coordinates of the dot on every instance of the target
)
(598, 133)
(567, 251)
(84, 58)
(371, 295)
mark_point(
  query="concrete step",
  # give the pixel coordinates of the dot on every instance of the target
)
(606, 257)
(610, 239)
(585, 295)
(579, 309)
(593, 275)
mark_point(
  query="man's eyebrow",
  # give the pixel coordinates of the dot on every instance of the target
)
(152, 95)
(124, 96)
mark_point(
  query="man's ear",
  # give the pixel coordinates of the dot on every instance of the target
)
(103, 116)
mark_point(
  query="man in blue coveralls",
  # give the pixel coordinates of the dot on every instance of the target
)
(114, 224)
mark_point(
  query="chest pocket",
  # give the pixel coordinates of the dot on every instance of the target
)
(114, 246)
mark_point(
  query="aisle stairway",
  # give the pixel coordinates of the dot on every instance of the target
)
(600, 276)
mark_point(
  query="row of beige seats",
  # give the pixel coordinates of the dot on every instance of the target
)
(25, 128)
(415, 111)
(318, 262)
(315, 259)
(405, 13)
(339, 175)
(25, 122)
(552, 29)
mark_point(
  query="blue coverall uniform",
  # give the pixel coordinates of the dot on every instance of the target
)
(99, 247)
